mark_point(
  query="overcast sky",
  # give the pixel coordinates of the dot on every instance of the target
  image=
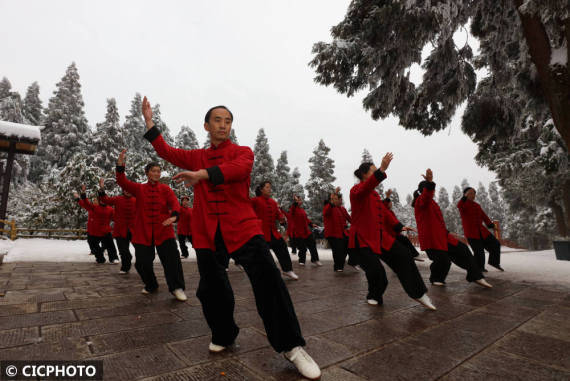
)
(249, 55)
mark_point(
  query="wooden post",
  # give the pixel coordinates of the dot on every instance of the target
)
(13, 231)
(6, 182)
(497, 230)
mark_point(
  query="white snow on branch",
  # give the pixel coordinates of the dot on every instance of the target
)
(20, 130)
(559, 56)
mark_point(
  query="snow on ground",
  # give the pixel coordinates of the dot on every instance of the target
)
(520, 265)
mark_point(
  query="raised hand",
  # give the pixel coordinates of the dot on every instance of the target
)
(428, 176)
(122, 158)
(337, 190)
(75, 194)
(101, 183)
(169, 221)
(190, 178)
(386, 161)
(147, 113)
(388, 193)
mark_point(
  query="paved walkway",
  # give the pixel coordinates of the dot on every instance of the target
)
(71, 311)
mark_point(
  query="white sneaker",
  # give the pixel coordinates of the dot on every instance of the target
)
(144, 291)
(304, 363)
(426, 301)
(114, 261)
(418, 259)
(372, 302)
(317, 263)
(301, 263)
(438, 284)
(483, 283)
(180, 295)
(227, 270)
(214, 348)
(339, 270)
(123, 272)
(290, 274)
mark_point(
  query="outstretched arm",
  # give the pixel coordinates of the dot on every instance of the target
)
(122, 180)
(429, 190)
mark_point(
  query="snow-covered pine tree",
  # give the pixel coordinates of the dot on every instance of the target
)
(66, 130)
(233, 137)
(464, 184)
(161, 125)
(32, 106)
(186, 139)
(366, 157)
(482, 198)
(5, 88)
(108, 140)
(263, 167)
(320, 183)
(291, 188)
(443, 198)
(452, 217)
(497, 206)
(282, 177)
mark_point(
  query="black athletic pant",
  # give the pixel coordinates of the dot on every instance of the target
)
(272, 298)
(279, 247)
(182, 241)
(293, 247)
(460, 255)
(170, 260)
(406, 242)
(307, 243)
(492, 245)
(99, 244)
(339, 247)
(400, 261)
(124, 251)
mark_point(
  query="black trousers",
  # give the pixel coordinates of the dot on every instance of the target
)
(293, 247)
(124, 251)
(406, 242)
(170, 260)
(272, 298)
(307, 243)
(99, 244)
(492, 245)
(399, 259)
(279, 247)
(339, 247)
(460, 255)
(182, 241)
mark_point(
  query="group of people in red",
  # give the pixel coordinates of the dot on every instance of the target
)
(225, 222)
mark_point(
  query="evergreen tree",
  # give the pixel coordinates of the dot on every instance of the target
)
(366, 157)
(263, 167)
(186, 139)
(161, 125)
(320, 183)
(443, 198)
(5, 88)
(497, 207)
(108, 139)
(452, 217)
(282, 177)
(292, 188)
(482, 198)
(233, 137)
(464, 184)
(32, 106)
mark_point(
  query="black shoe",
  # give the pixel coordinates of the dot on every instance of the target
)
(498, 267)
(484, 271)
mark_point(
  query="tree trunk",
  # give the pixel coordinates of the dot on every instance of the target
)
(555, 84)
(560, 220)
(566, 203)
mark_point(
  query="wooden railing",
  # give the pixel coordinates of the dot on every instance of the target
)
(13, 232)
(9, 229)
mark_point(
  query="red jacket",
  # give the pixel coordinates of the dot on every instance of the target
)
(391, 212)
(300, 222)
(125, 209)
(473, 218)
(432, 231)
(335, 218)
(223, 200)
(185, 221)
(289, 218)
(99, 217)
(370, 220)
(156, 202)
(268, 212)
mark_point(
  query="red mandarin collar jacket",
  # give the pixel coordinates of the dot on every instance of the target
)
(99, 217)
(125, 210)
(473, 218)
(268, 212)
(432, 231)
(371, 222)
(155, 203)
(335, 219)
(289, 218)
(300, 222)
(223, 200)
(185, 221)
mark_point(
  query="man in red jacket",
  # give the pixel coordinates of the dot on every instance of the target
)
(157, 208)
(183, 227)
(125, 206)
(473, 218)
(335, 219)
(304, 238)
(98, 227)
(223, 223)
(269, 213)
(399, 236)
(440, 245)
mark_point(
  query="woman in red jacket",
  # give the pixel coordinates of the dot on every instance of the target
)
(369, 233)
(439, 244)
(224, 223)
(183, 227)
(157, 208)
(269, 213)
(124, 218)
(400, 237)
(335, 218)
(98, 227)
(289, 230)
(304, 238)
(473, 218)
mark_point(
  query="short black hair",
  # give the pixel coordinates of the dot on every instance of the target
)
(151, 165)
(209, 113)
(467, 190)
(362, 169)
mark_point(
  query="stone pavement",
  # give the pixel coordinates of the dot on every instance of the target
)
(77, 311)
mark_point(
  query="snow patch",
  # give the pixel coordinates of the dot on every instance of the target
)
(20, 130)
(559, 56)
